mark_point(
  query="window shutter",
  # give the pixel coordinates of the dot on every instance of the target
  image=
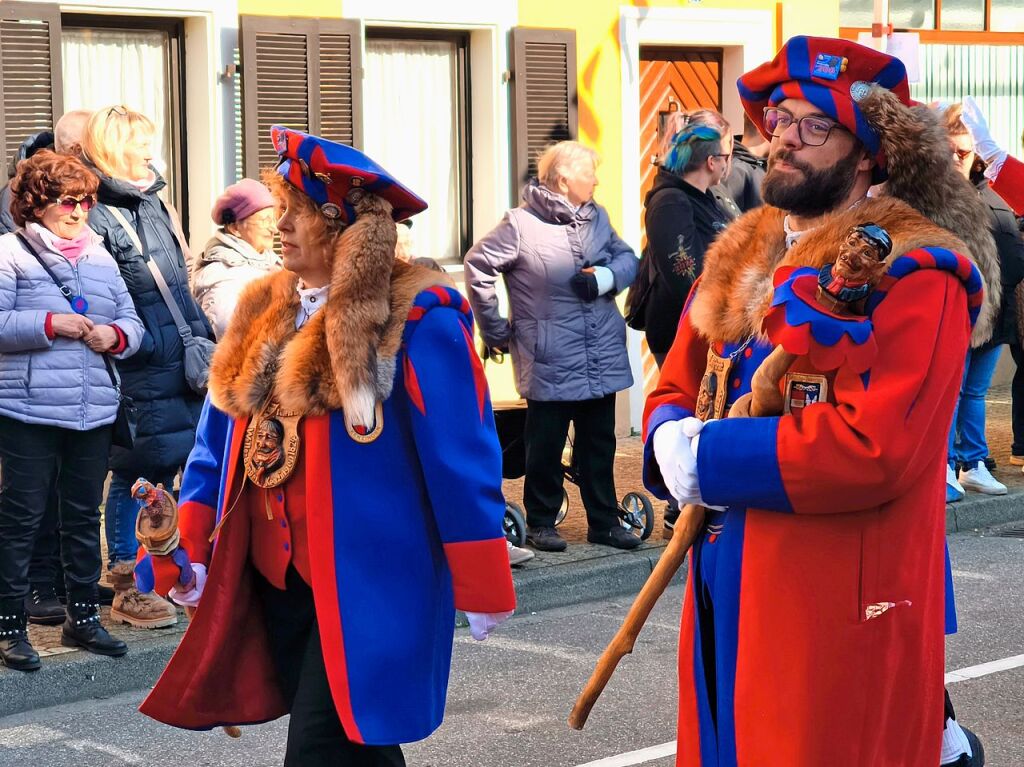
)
(31, 92)
(302, 73)
(544, 95)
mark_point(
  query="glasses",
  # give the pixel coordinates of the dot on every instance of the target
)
(120, 111)
(67, 205)
(962, 154)
(813, 131)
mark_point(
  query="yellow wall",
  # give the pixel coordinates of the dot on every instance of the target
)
(599, 69)
(320, 8)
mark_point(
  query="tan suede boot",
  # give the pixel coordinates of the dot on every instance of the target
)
(144, 611)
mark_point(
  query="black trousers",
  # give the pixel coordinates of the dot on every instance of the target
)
(1017, 398)
(547, 426)
(315, 735)
(44, 568)
(34, 459)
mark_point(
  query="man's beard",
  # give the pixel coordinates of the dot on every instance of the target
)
(813, 193)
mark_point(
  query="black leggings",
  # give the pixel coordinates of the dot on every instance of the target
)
(315, 735)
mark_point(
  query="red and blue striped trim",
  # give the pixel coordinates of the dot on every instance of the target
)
(933, 258)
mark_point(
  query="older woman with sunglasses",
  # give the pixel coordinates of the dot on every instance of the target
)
(64, 312)
(118, 142)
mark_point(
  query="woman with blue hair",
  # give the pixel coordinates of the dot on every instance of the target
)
(682, 218)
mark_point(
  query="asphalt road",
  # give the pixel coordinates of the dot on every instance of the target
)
(510, 695)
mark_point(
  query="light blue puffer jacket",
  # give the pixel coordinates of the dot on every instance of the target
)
(59, 382)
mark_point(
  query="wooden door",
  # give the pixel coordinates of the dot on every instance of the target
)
(671, 78)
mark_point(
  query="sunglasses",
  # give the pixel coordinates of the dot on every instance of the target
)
(963, 154)
(67, 205)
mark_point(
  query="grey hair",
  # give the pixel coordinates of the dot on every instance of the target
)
(564, 160)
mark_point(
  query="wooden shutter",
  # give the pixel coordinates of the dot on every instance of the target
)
(544, 95)
(301, 73)
(31, 91)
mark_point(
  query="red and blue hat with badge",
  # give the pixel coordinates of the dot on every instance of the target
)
(335, 176)
(824, 71)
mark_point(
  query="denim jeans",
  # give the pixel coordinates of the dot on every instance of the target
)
(967, 443)
(121, 512)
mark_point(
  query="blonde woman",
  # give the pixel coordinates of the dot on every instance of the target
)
(118, 144)
(563, 263)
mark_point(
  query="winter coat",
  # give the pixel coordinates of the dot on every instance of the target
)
(155, 376)
(745, 179)
(822, 584)
(226, 266)
(28, 147)
(681, 224)
(563, 348)
(58, 381)
(1011, 265)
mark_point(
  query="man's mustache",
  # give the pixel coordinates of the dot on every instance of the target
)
(786, 156)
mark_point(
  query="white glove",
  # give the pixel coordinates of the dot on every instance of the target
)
(482, 624)
(191, 597)
(605, 279)
(677, 459)
(985, 147)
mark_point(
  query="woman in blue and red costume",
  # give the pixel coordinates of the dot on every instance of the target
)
(345, 395)
(812, 628)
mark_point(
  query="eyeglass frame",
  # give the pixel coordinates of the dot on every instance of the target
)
(799, 125)
(86, 202)
(962, 154)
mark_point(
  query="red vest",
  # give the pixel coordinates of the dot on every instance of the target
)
(278, 521)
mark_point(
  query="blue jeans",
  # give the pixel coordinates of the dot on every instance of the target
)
(967, 443)
(121, 511)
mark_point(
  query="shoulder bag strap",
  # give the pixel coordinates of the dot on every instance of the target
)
(161, 284)
(66, 292)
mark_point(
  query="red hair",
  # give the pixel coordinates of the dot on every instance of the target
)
(44, 178)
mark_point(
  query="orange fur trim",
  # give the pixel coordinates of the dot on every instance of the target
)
(736, 286)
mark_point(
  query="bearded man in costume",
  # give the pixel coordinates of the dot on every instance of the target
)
(345, 395)
(812, 628)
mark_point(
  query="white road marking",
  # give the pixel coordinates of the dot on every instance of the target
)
(649, 754)
(968, 575)
(533, 648)
(643, 756)
(28, 735)
(984, 669)
(90, 745)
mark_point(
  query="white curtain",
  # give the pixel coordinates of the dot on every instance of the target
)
(411, 129)
(103, 67)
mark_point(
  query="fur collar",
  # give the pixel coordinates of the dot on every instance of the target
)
(736, 285)
(310, 370)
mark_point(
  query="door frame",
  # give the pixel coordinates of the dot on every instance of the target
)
(747, 39)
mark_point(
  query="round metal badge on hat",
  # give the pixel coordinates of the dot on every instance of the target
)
(331, 211)
(860, 90)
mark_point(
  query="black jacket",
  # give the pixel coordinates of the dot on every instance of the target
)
(1011, 264)
(744, 181)
(155, 376)
(28, 147)
(681, 223)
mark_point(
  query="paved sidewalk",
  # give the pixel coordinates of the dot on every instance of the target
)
(584, 573)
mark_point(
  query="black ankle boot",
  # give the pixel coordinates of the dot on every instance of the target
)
(43, 607)
(15, 650)
(83, 629)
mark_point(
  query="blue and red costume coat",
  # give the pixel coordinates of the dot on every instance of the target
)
(1009, 184)
(401, 530)
(814, 611)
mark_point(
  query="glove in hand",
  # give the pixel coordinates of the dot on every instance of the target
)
(584, 284)
(482, 624)
(191, 597)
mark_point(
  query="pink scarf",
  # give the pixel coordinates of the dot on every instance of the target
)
(72, 250)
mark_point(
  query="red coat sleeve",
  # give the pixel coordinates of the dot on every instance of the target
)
(872, 445)
(1009, 184)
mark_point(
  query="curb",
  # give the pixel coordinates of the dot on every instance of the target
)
(546, 583)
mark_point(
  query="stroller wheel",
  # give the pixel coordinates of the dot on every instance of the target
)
(514, 524)
(637, 514)
(563, 509)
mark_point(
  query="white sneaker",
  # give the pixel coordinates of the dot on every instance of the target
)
(952, 483)
(981, 480)
(517, 556)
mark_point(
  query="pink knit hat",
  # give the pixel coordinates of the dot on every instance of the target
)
(240, 201)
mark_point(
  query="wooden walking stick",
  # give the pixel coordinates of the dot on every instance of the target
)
(688, 526)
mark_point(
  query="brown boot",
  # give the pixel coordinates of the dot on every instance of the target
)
(144, 611)
(121, 575)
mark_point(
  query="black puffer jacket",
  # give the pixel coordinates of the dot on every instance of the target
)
(155, 376)
(28, 147)
(745, 178)
(681, 223)
(1011, 265)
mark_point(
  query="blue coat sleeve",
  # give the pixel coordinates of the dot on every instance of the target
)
(453, 426)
